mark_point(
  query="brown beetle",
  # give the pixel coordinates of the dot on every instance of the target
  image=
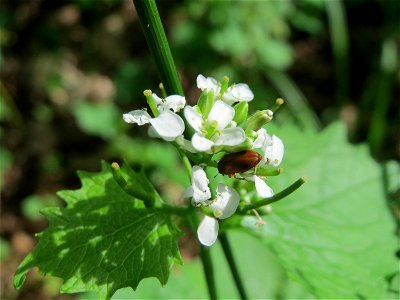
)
(238, 162)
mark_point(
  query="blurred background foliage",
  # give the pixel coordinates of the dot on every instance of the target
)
(69, 69)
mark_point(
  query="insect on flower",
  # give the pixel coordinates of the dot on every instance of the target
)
(238, 162)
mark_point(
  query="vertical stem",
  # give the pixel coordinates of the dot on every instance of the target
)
(232, 265)
(340, 40)
(208, 271)
(158, 44)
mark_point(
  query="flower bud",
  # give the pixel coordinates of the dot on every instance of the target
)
(206, 102)
(258, 119)
(241, 112)
(224, 85)
(247, 144)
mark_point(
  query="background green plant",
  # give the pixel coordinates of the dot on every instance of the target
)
(66, 65)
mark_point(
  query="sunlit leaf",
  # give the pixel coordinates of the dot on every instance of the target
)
(101, 242)
(335, 235)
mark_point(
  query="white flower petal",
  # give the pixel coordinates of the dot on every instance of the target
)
(194, 119)
(207, 232)
(157, 99)
(262, 188)
(207, 84)
(263, 138)
(274, 152)
(226, 203)
(221, 115)
(231, 137)
(201, 143)
(139, 117)
(185, 144)
(201, 191)
(153, 133)
(238, 92)
(201, 82)
(175, 102)
(168, 125)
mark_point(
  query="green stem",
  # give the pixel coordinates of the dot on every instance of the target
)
(385, 79)
(232, 265)
(274, 198)
(158, 44)
(186, 163)
(208, 271)
(340, 45)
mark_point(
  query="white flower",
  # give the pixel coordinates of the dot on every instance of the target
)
(273, 148)
(174, 102)
(234, 93)
(224, 206)
(218, 129)
(208, 84)
(237, 93)
(139, 117)
(167, 125)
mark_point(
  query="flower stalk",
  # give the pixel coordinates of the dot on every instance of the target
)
(156, 39)
(226, 247)
(294, 186)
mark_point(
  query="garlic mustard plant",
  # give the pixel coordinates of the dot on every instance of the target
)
(219, 124)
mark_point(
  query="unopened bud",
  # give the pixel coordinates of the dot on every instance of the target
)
(241, 112)
(257, 120)
(224, 85)
(115, 166)
(246, 145)
(206, 102)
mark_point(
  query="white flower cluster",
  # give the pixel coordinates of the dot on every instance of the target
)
(220, 124)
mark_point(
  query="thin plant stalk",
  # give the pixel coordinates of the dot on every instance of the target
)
(156, 39)
(226, 247)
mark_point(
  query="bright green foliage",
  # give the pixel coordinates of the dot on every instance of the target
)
(263, 278)
(101, 242)
(335, 235)
(98, 119)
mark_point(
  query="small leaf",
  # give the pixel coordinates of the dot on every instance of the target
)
(101, 241)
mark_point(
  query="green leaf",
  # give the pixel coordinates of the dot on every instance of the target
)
(101, 241)
(263, 277)
(100, 119)
(335, 235)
